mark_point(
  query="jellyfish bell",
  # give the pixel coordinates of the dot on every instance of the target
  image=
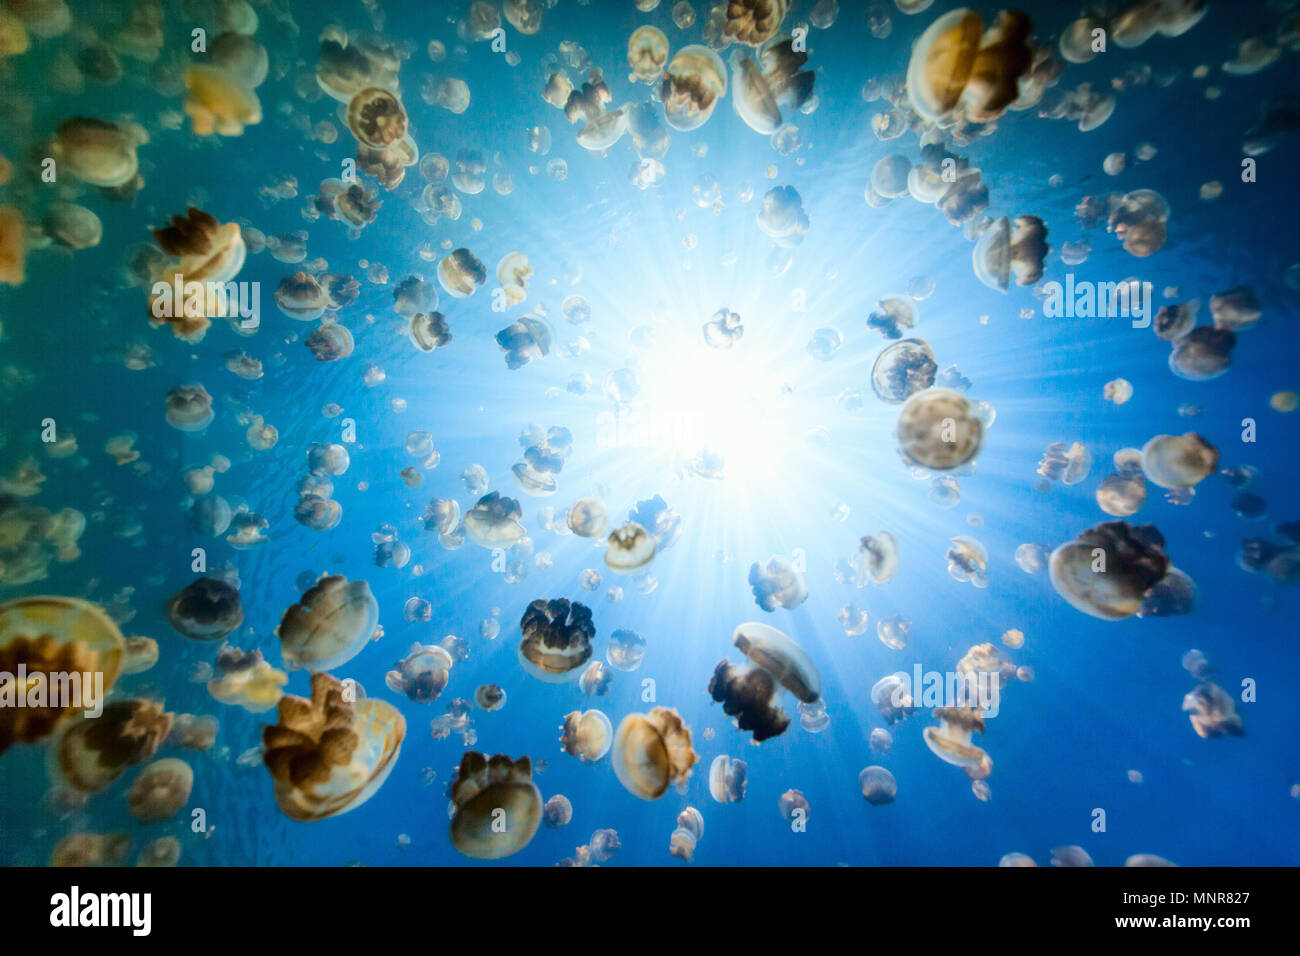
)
(1108, 570)
(376, 117)
(893, 697)
(951, 740)
(96, 151)
(588, 735)
(652, 752)
(92, 752)
(220, 102)
(647, 53)
(206, 609)
(160, 790)
(494, 521)
(770, 86)
(1179, 461)
(556, 640)
(727, 779)
(331, 623)
(626, 650)
(878, 785)
(628, 548)
(422, 674)
(939, 428)
(587, 518)
(775, 653)
(461, 273)
(330, 753)
(696, 78)
(958, 70)
(903, 369)
(604, 131)
(486, 792)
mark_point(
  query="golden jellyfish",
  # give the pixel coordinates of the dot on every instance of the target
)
(628, 548)
(160, 790)
(695, 80)
(768, 91)
(880, 554)
(330, 754)
(524, 15)
(189, 408)
(754, 22)
(95, 751)
(329, 343)
(587, 518)
(626, 650)
(96, 151)
(219, 102)
(48, 636)
(141, 655)
(247, 680)
(513, 272)
(647, 53)
(91, 849)
(164, 851)
(494, 521)
(207, 609)
(938, 428)
(376, 117)
(1179, 461)
(878, 785)
(498, 808)
(461, 273)
(348, 64)
(1108, 570)
(331, 623)
(750, 694)
(652, 752)
(422, 674)
(429, 331)
(1006, 249)
(13, 246)
(588, 735)
(951, 740)
(556, 640)
(300, 296)
(960, 71)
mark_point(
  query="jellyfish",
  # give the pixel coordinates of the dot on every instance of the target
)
(1173, 594)
(588, 735)
(626, 650)
(959, 71)
(557, 812)
(91, 849)
(749, 694)
(951, 740)
(595, 680)
(654, 514)
(824, 344)
(777, 583)
(189, 408)
(938, 428)
(13, 246)
(727, 779)
(72, 226)
(329, 343)
(206, 609)
(494, 521)
(241, 56)
(557, 638)
(878, 785)
(770, 90)
(754, 22)
(652, 752)
(429, 331)
(523, 341)
(880, 554)
(376, 117)
(782, 217)
(329, 625)
(586, 518)
(1107, 571)
(880, 740)
(893, 697)
(694, 81)
(219, 102)
(903, 369)
(1212, 712)
(497, 807)
(1005, 249)
(246, 680)
(1235, 309)
(968, 561)
(348, 64)
(628, 548)
(1121, 495)
(513, 273)
(1203, 353)
(300, 296)
(1179, 461)
(1139, 220)
(1071, 856)
(422, 674)
(49, 636)
(160, 790)
(489, 697)
(94, 751)
(330, 753)
(723, 330)
(97, 152)
(647, 53)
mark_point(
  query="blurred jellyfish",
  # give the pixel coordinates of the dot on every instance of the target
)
(1066, 465)
(878, 785)
(767, 92)
(1121, 495)
(1179, 461)
(96, 151)
(461, 273)
(1212, 712)
(647, 53)
(603, 845)
(587, 735)
(938, 428)
(880, 740)
(189, 408)
(892, 315)
(894, 632)
(94, 751)
(777, 583)
(754, 22)
(1005, 249)
(951, 740)
(824, 344)
(727, 779)
(723, 330)
(853, 620)
(557, 638)
(218, 101)
(206, 609)
(652, 752)
(489, 697)
(1203, 353)
(782, 217)
(586, 518)
(813, 717)
(893, 697)
(160, 790)
(880, 554)
(1031, 558)
(626, 650)
(333, 620)
(1071, 856)
(959, 71)
(1107, 571)
(903, 369)
(694, 81)
(749, 694)
(596, 679)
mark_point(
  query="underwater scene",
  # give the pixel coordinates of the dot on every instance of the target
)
(635, 433)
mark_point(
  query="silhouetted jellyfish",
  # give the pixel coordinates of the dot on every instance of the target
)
(628, 548)
(777, 583)
(97, 152)
(727, 779)
(557, 638)
(494, 521)
(497, 807)
(189, 408)
(219, 102)
(489, 697)
(1108, 570)
(330, 753)
(160, 790)
(893, 697)
(723, 330)
(246, 680)
(878, 785)
(1071, 856)
(557, 812)
(595, 680)
(767, 92)
(902, 369)
(206, 609)
(939, 428)
(586, 518)
(782, 217)
(524, 340)
(588, 735)
(330, 624)
(1179, 461)
(960, 72)
(1005, 249)
(1235, 309)
(1203, 353)
(49, 635)
(1212, 712)
(694, 81)
(94, 751)
(626, 650)
(422, 674)
(880, 554)
(647, 53)
(652, 752)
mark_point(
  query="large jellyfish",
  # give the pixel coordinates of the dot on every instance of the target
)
(330, 754)
(959, 71)
(1179, 461)
(652, 752)
(330, 624)
(96, 151)
(497, 807)
(95, 751)
(1108, 570)
(557, 638)
(749, 694)
(938, 428)
(695, 80)
(754, 21)
(769, 91)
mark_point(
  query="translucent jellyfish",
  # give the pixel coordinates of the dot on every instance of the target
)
(628, 548)
(206, 609)
(694, 81)
(586, 518)
(513, 273)
(429, 331)
(878, 785)
(1235, 309)
(588, 735)
(160, 790)
(494, 521)
(880, 740)
(556, 640)
(1203, 353)
(97, 152)
(164, 851)
(749, 694)
(497, 807)
(893, 697)
(782, 217)
(94, 751)
(525, 340)
(824, 344)
(1005, 249)
(968, 561)
(246, 680)
(626, 650)
(652, 752)
(723, 330)
(422, 674)
(754, 22)
(894, 632)
(333, 620)
(893, 314)
(51, 635)
(489, 697)
(1121, 495)
(647, 53)
(557, 812)
(348, 64)
(727, 779)
(880, 555)
(1179, 461)
(777, 583)
(951, 740)
(959, 71)
(596, 679)
(376, 117)
(219, 102)
(768, 92)
(330, 753)
(1071, 856)
(1173, 594)
(91, 849)
(903, 369)
(1066, 465)
(938, 428)
(524, 15)
(1118, 390)
(461, 273)
(1107, 571)
(241, 56)
(329, 343)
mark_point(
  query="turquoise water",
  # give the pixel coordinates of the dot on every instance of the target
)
(807, 469)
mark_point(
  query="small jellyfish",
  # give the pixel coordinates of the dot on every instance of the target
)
(596, 679)
(461, 273)
(782, 218)
(1071, 856)
(1005, 249)
(422, 674)
(903, 369)
(880, 554)
(489, 697)
(557, 812)
(160, 790)
(626, 650)
(652, 752)
(587, 518)
(95, 751)
(938, 428)
(494, 521)
(647, 53)
(723, 330)
(628, 548)
(878, 785)
(894, 632)
(777, 583)
(770, 88)
(219, 101)
(727, 779)
(588, 735)
(1212, 712)
(331, 623)
(207, 609)
(1203, 353)
(189, 408)
(880, 740)
(1179, 461)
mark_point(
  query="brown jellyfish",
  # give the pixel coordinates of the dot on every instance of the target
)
(330, 754)
(422, 674)
(494, 521)
(951, 740)
(348, 64)
(1203, 353)
(628, 548)
(938, 428)
(754, 22)
(95, 751)
(489, 697)
(769, 91)
(329, 343)
(51, 636)
(557, 638)
(959, 71)
(588, 735)
(376, 117)
(497, 807)
(246, 680)
(332, 622)
(557, 812)
(1005, 249)
(461, 273)
(1107, 571)
(1235, 309)
(694, 81)
(647, 53)
(189, 408)
(96, 151)
(160, 790)
(13, 246)
(207, 609)
(219, 102)
(91, 849)
(1212, 712)
(652, 752)
(1179, 461)
(301, 297)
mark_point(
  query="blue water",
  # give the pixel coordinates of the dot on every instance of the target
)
(1106, 696)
